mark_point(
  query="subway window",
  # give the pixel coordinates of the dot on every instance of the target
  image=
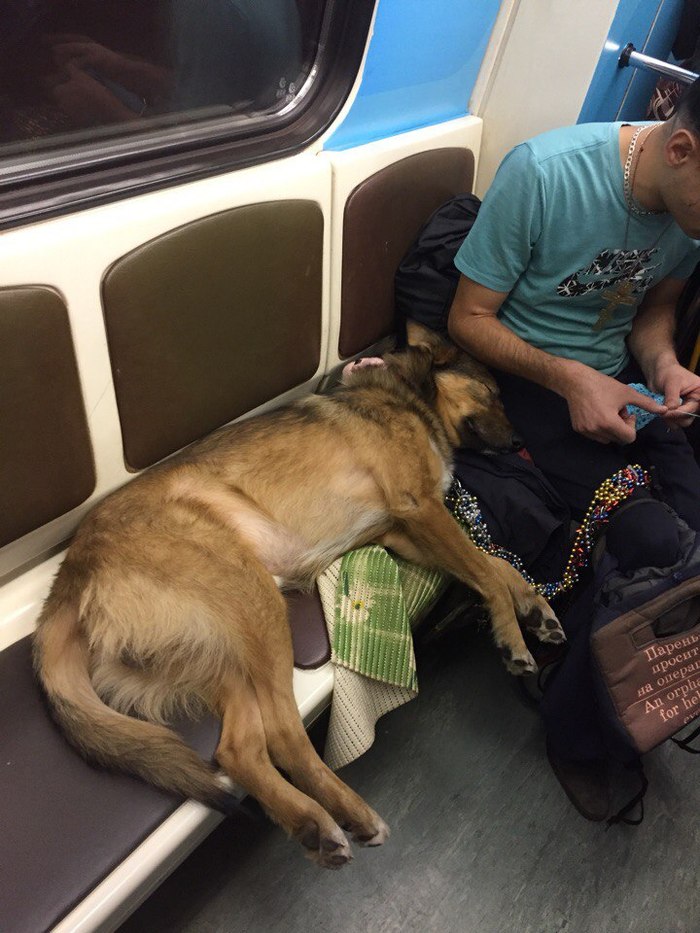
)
(76, 66)
(86, 84)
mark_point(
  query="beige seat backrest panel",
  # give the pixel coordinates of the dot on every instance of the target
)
(210, 320)
(382, 216)
(46, 461)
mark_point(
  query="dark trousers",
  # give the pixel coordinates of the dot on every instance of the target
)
(576, 466)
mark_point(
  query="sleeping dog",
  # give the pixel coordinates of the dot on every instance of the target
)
(169, 596)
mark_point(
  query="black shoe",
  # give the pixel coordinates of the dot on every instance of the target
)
(585, 783)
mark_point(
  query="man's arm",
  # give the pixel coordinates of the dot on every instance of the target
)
(651, 344)
(597, 403)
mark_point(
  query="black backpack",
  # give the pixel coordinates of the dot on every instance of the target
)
(426, 280)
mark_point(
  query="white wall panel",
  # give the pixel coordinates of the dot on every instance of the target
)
(540, 74)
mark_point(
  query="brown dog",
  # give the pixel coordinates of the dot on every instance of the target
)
(167, 598)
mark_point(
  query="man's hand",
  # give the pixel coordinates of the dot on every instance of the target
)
(651, 343)
(598, 405)
(70, 51)
(85, 101)
(676, 383)
(84, 52)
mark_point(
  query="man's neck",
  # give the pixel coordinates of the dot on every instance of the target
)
(648, 156)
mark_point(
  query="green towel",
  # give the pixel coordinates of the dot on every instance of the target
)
(378, 599)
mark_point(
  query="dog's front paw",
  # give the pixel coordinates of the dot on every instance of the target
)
(543, 623)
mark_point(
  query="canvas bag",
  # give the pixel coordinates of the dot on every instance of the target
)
(645, 649)
(630, 678)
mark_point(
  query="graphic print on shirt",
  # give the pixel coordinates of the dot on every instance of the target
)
(610, 267)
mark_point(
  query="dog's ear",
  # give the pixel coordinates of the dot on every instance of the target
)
(414, 364)
(441, 350)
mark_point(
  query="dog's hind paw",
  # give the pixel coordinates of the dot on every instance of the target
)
(329, 849)
(544, 626)
(518, 664)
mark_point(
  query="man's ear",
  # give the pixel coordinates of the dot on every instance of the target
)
(441, 350)
(680, 147)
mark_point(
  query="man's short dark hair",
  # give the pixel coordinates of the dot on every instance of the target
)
(688, 109)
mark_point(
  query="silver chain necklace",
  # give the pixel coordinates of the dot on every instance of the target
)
(622, 292)
(627, 174)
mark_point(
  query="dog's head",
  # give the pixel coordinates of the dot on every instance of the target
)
(461, 391)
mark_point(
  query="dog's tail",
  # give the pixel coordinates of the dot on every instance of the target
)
(154, 753)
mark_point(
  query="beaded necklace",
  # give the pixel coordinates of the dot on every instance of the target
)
(609, 495)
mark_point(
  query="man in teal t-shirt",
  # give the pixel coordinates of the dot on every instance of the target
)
(556, 235)
(570, 279)
(571, 274)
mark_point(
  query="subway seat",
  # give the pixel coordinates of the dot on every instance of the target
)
(65, 824)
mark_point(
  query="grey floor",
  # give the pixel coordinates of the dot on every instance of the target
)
(483, 839)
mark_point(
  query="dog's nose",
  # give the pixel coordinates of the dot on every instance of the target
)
(517, 442)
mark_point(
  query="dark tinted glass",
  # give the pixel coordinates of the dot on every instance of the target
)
(80, 70)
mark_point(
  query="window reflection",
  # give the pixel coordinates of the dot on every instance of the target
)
(70, 66)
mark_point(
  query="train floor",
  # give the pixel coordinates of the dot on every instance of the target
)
(483, 838)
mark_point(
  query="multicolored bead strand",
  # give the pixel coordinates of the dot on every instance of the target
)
(609, 495)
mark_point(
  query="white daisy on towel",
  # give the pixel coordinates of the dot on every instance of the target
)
(355, 608)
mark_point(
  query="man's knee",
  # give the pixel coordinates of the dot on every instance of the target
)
(643, 533)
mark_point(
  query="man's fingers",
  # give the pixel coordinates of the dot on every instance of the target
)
(690, 400)
(647, 403)
(595, 436)
(673, 399)
(678, 417)
(626, 434)
(688, 407)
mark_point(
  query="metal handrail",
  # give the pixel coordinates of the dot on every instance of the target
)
(634, 59)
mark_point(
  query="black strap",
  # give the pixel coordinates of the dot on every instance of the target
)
(684, 743)
(622, 814)
(533, 690)
(549, 668)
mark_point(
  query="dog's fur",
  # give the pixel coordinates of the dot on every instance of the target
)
(167, 597)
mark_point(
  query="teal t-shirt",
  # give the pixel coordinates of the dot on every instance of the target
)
(555, 233)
